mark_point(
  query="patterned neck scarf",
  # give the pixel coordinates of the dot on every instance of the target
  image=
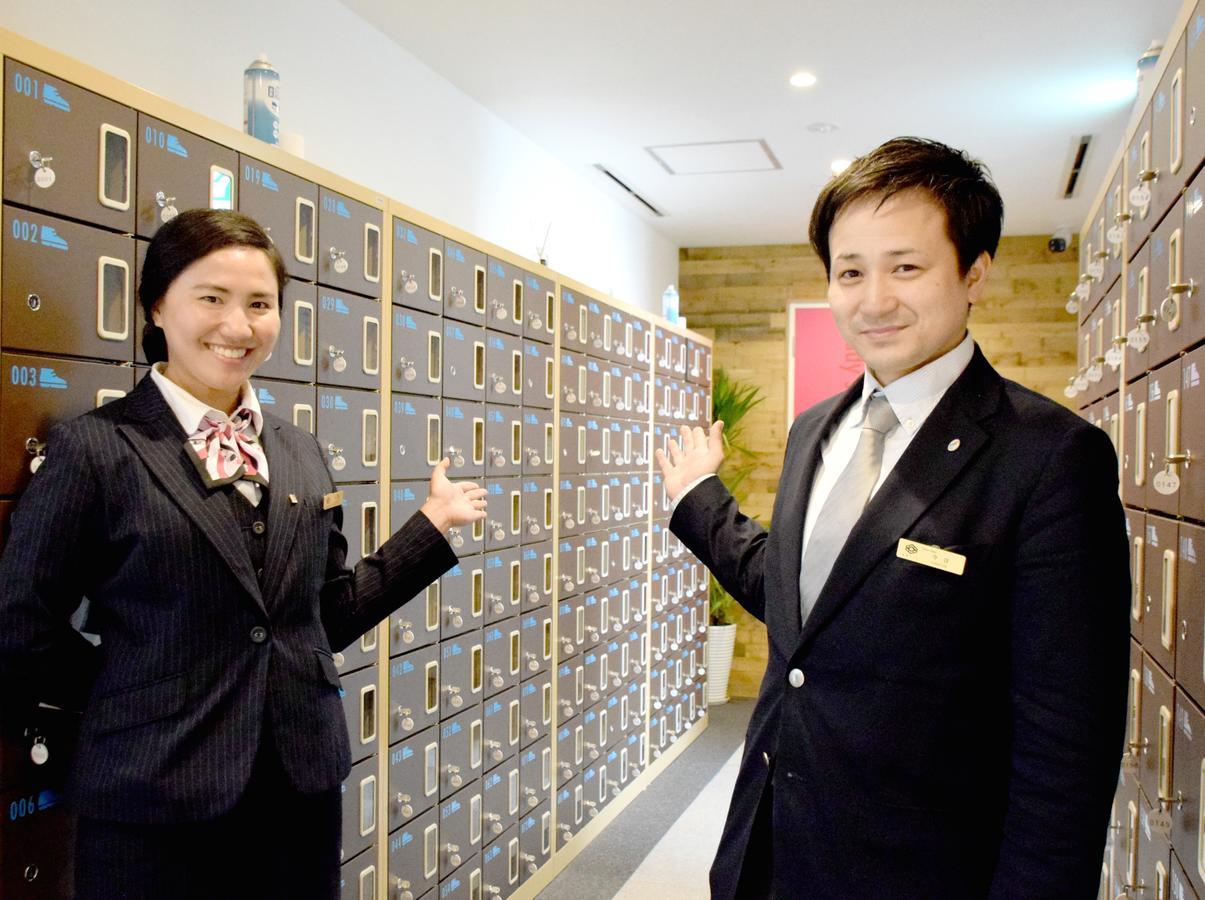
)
(226, 452)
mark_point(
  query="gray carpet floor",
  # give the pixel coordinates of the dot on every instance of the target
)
(604, 866)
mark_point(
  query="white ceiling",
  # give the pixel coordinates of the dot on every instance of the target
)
(597, 83)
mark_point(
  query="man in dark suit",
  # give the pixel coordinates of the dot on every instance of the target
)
(944, 587)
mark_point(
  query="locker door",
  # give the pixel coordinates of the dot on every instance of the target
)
(1164, 401)
(573, 382)
(536, 572)
(411, 791)
(504, 517)
(503, 441)
(1190, 596)
(539, 308)
(1139, 174)
(464, 284)
(178, 170)
(1170, 291)
(1115, 225)
(537, 509)
(68, 288)
(1167, 134)
(416, 433)
(293, 356)
(503, 585)
(1194, 94)
(359, 808)
(1190, 305)
(505, 288)
(464, 361)
(1136, 533)
(463, 604)
(1134, 471)
(349, 244)
(464, 438)
(414, 698)
(417, 352)
(575, 321)
(349, 433)
(37, 393)
(418, 268)
(1186, 443)
(539, 375)
(1160, 614)
(414, 854)
(504, 368)
(501, 708)
(600, 330)
(1140, 312)
(349, 340)
(459, 839)
(359, 692)
(539, 442)
(287, 207)
(67, 150)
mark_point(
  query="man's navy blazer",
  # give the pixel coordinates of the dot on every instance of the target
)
(953, 735)
(176, 696)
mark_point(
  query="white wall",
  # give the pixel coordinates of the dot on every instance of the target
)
(371, 112)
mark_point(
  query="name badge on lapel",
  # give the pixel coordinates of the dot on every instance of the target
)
(934, 557)
(331, 500)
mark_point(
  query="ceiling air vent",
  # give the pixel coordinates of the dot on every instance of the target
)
(628, 190)
(1079, 153)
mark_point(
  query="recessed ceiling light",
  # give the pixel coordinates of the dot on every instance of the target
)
(822, 127)
(803, 80)
(839, 165)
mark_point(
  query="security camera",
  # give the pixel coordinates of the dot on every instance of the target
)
(1060, 240)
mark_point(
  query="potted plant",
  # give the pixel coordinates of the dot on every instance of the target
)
(731, 401)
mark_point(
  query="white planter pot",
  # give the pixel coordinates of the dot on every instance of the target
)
(720, 641)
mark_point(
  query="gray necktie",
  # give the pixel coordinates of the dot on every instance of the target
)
(844, 505)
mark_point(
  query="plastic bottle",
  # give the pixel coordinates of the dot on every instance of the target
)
(261, 100)
(669, 304)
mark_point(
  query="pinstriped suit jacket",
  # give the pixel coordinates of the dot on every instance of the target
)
(176, 695)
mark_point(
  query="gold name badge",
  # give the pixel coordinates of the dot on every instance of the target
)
(931, 556)
(331, 500)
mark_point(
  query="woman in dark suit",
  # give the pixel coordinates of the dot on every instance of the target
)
(205, 535)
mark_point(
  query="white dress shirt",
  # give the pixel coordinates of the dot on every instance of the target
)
(912, 397)
(190, 412)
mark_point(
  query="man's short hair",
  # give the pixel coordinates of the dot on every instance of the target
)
(958, 184)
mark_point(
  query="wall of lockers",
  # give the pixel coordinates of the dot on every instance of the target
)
(494, 718)
(1141, 359)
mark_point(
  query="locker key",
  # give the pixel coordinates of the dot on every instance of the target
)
(535, 322)
(405, 631)
(499, 383)
(533, 457)
(39, 752)
(1115, 354)
(566, 770)
(409, 369)
(532, 733)
(43, 175)
(567, 709)
(533, 594)
(167, 207)
(567, 583)
(595, 398)
(594, 516)
(408, 282)
(403, 886)
(497, 530)
(533, 525)
(591, 808)
(1081, 381)
(533, 665)
(36, 449)
(496, 604)
(495, 823)
(614, 786)
(593, 693)
(404, 807)
(570, 331)
(338, 462)
(455, 619)
(1096, 268)
(457, 456)
(338, 360)
(1141, 195)
(496, 753)
(455, 702)
(1084, 289)
(453, 855)
(570, 395)
(567, 521)
(1169, 309)
(499, 308)
(339, 260)
(456, 296)
(496, 680)
(407, 722)
(492, 890)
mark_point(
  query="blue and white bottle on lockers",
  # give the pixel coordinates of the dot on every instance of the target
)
(261, 100)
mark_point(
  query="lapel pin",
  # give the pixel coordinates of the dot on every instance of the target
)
(293, 499)
(953, 445)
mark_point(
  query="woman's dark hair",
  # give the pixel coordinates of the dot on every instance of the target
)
(957, 183)
(193, 234)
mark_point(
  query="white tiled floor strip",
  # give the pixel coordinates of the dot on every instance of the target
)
(676, 869)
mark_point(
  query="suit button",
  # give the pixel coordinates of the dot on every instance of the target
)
(259, 527)
(795, 677)
(259, 634)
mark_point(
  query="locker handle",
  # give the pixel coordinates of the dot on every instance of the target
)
(1140, 445)
(1174, 454)
(105, 266)
(1168, 630)
(303, 231)
(1138, 573)
(118, 141)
